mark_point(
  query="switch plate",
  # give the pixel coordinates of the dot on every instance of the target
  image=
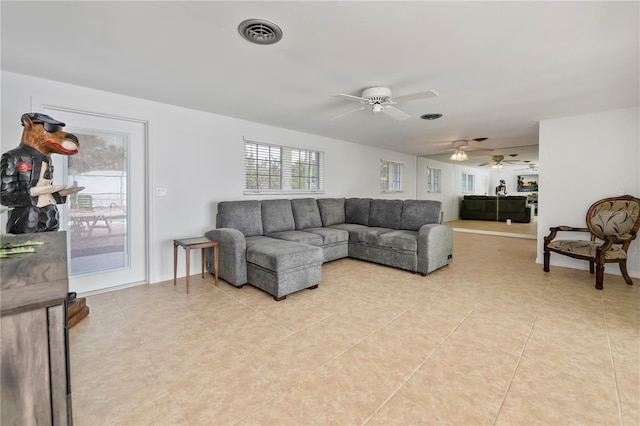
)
(161, 192)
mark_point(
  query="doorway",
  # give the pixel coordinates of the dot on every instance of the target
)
(105, 222)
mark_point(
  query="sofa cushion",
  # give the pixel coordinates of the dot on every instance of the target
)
(367, 235)
(385, 213)
(331, 210)
(356, 210)
(399, 240)
(277, 216)
(279, 255)
(348, 227)
(245, 216)
(298, 236)
(306, 213)
(330, 235)
(475, 205)
(416, 213)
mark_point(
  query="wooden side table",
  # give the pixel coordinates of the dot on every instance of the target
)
(194, 243)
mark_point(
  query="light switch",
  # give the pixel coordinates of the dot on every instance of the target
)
(161, 192)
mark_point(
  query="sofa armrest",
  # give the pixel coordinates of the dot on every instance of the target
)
(435, 247)
(232, 259)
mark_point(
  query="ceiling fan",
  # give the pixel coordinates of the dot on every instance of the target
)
(379, 99)
(461, 147)
(531, 168)
(498, 161)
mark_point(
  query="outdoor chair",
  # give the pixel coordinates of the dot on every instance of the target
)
(86, 217)
(613, 223)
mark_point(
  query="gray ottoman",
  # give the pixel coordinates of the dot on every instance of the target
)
(282, 267)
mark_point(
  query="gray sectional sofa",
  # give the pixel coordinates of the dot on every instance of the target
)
(280, 245)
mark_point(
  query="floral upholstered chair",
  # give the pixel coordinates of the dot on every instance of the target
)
(613, 223)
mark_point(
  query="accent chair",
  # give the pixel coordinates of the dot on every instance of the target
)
(613, 223)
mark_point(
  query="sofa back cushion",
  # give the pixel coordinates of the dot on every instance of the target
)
(245, 216)
(356, 210)
(416, 213)
(331, 211)
(385, 213)
(306, 213)
(512, 204)
(277, 216)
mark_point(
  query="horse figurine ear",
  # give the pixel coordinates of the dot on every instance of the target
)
(26, 121)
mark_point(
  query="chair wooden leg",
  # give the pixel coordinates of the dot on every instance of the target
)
(599, 269)
(599, 277)
(591, 266)
(625, 273)
(547, 255)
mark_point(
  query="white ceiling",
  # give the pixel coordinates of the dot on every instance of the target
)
(499, 67)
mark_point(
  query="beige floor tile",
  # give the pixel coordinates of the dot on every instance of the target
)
(477, 360)
(489, 339)
(552, 396)
(493, 333)
(112, 386)
(157, 412)
(399, 411)
(450, 397)
(624, 337)
(345, 391)
(224, 396)
(627, 375)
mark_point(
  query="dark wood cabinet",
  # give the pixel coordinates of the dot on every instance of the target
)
(34, 376)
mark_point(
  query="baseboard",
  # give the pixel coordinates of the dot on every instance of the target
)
(610, 268)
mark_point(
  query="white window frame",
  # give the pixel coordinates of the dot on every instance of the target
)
(391, 176)
(285, 162)
(434, 180)
(468, 183)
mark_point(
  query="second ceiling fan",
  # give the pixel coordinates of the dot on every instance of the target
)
(498, 161)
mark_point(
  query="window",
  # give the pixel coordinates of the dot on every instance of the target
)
(390, 176)
(433, 180)
(468, 183)
(280, 169)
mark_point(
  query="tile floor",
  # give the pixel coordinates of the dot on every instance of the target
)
(489, 339)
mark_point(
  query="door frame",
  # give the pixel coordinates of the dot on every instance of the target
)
(146, 195)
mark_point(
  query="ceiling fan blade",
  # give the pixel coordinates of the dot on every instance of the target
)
(396, 113)
(471, 149)
(415, 96)
(348, 112)
(352, 98)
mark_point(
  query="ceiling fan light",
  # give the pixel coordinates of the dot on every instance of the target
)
(459, 155)
(377, 108)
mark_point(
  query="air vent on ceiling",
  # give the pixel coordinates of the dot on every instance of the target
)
(434, 116)
(260, 31)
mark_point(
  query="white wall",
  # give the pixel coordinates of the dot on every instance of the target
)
(198, 157)
(451, 184)
(583, 159)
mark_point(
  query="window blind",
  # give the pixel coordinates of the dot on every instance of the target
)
(270, 168)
